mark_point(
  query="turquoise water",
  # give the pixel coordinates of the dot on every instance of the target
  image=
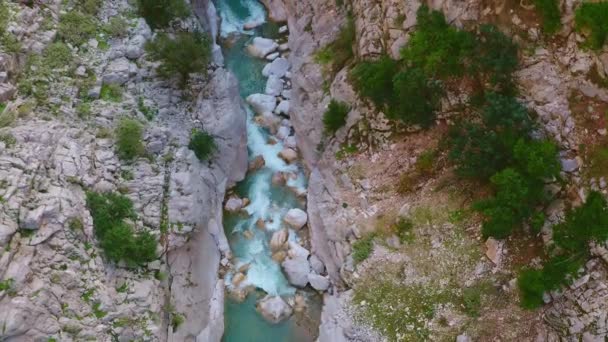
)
(249, 243)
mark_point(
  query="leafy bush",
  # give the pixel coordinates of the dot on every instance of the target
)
(185, 54)
(404, 228)
(340, 51)
(90, 6)
(425, 163)
(496, 58)
(417, 98)
(438, 49)
(57, 55)
(116, 237)
(482, 149)
(374, 80)
(550, 13)
(335, 116)
(591, 18)
(537, 158)
(362, 248)
(77, 28)
(160, 13)
(586, 223)
(203, 144)
(116, 27)
(129, 139)
(111, 92)
(531, 288)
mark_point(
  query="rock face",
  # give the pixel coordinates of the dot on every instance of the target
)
(274, 309)
(57, 276)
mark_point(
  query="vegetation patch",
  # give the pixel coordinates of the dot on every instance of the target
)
(362, 248)
(160, 13)
(340, 51)
(77, 28)
(57, 55)
(111, 92)
(186, 53)
(582, 225)
(591, 19)
(110, 212)
(335, 116)
(202, 144)
(129, 139)
(116, 27)
(550, 13)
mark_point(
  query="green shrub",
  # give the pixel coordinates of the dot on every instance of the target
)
(588, 222)
(438, 49)
(340, 51)
(203, 144)
(181, 56)
(362, 248)
(374, 80)
(90, 6)
(77, 28)
(591, 18)
(160, 13)
(335, 116)
(417, 98)
(4, 17)
(425, 163)
(404, 228)
(496, 58)
(57, 55)
(116, 237)
(129, 139)
(537, 158)
(480, 149)
(550, 13)
(111, 92)
(116, 27)
(177, 320)
(531, 288)
(83, 110)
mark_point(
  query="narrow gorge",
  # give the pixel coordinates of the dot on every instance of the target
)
(303, 170)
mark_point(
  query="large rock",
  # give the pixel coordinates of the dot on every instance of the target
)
(274, 308)
(278, 68)
(276, 10)
(262, 103)
(135, 49)
(278, 239)
(318, 282)
(296, 218)
(297, 271)
(234, 204)
(274, 86)
(119, 71)
(289, 155)
(7, 91)
(260, 47)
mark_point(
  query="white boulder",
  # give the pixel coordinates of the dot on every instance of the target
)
(296, 218)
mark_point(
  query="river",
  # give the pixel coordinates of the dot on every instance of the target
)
(269, 202)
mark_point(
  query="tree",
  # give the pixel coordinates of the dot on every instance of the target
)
(203, 144)
(335, 116)
(416, 98)
(160, 13)
(374, 80)
(181, 55)
(592, 19)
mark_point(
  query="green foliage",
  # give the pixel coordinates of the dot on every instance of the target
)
(77, 28)
(182, 55)
(203, 144)
(362, 248)
(4, 17)
(537, 158)
(404, 229)
(90, 7)
(83, 110)
(340, 51)
(335, 116)
(588, 222)
(374, 80)
(129, 139)
(495, 58)
(591, 18)
(514, 201)
(116, 237)
(416, 99)
(582, 225)
(116, 27)
(531, 288)
(160, 13)
(425, 163)
(177, 320)
(8, 139)
(550, 13)
(438, 49)
(57, 55)
(480, 149)
(111, 92)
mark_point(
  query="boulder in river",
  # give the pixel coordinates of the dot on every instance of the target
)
(260, 47)
(278, 68)
(297, 271)
(262, 103)
(257, 163)
(278, 240)
(234, 204)
(318, 282)
(288, 155)
(274, 308)
(296, 218)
